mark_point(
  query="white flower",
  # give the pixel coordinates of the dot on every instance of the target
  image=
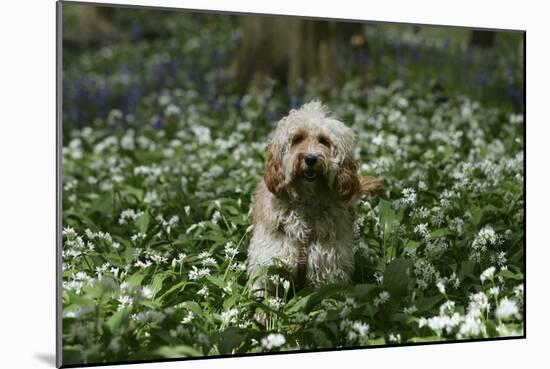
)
(69, 232)
(361, 328)
(382, 298)
(172, 110)
(229, 316)
(379, 277)
(204, 255)
(230, 250)
(147, 292)
(494, 291)
(216, 217)
(444, 323)
(286, 285)
(472, 326)
(276, 279)
(422, 229)
(275, 303)
(189, 317)
(422, 186)
(507, 309)
(485, 237)
(447, 308)
(441, 287)
(478, 302)
(196, 273)
(203, 291)
(518, 291)
(125, 301)
(273, 340)
(378, 140)
(487, 274)
(409, 196)
(394, 337)
(138, 236)
(208, 261)
(410, 309)
(151, 198)
(158, 259)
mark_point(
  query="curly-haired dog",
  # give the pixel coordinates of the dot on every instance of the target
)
(303, 211)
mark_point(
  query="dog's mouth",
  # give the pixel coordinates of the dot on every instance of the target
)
(310, 175)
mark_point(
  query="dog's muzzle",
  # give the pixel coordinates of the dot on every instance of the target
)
(311, 172)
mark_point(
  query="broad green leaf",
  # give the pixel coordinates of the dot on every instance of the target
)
(143, 222)
(179, 287)
(387, 218)
(135, 280)
(194, 307)
(510, 275)
(428, 303)
(396, 277)
(230, 339)
(324, 292)
(118, 319)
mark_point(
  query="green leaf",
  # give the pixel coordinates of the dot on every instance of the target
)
(428, 303)
(156, 285)
(510, 275)
(143, 222)
(230, 339)
(320, 337)
(179, 287)
(387, 218)
(135, 280)
(230, 302)
(427, 339)
(324, 292)
(194, 307)
(177, 351)
(412, 245)
(476, 215)
(396, 277)
(466, 269)
(440, 232)
(365, 291)
(377, 341)
(118, 319)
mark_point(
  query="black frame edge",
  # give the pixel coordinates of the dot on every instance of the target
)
(58, 181)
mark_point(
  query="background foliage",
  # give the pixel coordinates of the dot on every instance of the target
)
(161, 156)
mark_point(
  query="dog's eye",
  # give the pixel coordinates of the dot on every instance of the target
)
(297, 139)
(324, 141)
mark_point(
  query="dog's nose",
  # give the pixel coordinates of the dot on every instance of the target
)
(310, 159)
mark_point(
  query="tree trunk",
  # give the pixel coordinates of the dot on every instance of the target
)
(289, 51)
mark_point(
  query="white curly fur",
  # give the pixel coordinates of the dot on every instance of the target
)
(290, 211)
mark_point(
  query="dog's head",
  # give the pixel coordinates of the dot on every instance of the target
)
(311, 152)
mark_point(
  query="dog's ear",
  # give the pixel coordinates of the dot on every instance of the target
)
(347, 181)
(274, 177)
(372, 186)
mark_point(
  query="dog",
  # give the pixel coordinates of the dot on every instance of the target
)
(303, 211)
